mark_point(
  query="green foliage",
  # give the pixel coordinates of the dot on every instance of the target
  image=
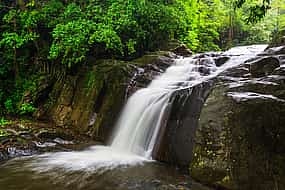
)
(19, 28)
(256, 11)
(67, 32)
(26, 108)
(10, 106)
(4, 122)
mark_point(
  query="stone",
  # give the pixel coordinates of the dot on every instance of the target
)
(263, 66)
(238, 139)
(221, 60)
(182, 50)
(176, 144)
(3, 155)
(274, 51)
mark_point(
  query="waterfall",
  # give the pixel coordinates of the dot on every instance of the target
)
(138, 126)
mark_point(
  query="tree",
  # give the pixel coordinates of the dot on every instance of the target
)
(256, 11)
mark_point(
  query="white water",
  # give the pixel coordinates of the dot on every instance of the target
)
(138, 127)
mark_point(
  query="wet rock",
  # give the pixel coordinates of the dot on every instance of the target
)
(274, 51)
(263, 66)
(97, 88)
(53, 134)
(182, 50)
(44, 144)
(61, 115)
(204, 70)
(238, 140)
(150, 66)
(221, 60)
(62, 142)
(279, 71)
(176, 144)
(161, 59)
(5, 139)
(3, 155)
(17, 152)
(207, 55)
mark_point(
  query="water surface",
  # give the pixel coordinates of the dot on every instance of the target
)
(95, 168)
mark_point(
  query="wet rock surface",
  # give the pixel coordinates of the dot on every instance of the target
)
(221, 60)
(25, 138)
(238, 143)
(263, 66)
(176, 146)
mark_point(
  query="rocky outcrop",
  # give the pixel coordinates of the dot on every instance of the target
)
(90, 100)
(176, 143)
(238, 143)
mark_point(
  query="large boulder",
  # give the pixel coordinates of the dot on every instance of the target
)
(263, 66)
(238, 142)
(178, 131)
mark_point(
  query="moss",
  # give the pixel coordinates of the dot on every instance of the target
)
(3, 133)
(150, 58)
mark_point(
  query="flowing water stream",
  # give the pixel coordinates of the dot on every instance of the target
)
(127, 162)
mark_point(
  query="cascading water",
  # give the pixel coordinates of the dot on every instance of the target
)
(139, 124)
(134, 140)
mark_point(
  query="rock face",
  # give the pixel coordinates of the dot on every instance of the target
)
(90, 101)
(239, 142)
(176, 145)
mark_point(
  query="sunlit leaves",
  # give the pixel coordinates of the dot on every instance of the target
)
(255, 12)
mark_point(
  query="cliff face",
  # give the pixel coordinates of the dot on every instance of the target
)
(88, 99)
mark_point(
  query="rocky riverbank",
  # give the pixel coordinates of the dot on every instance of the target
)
(24, 137)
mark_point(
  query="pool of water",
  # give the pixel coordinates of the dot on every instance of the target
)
(94, 168)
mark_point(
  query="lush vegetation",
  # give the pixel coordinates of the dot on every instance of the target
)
(38, 35)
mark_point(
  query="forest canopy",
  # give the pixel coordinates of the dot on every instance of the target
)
(66, 32)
